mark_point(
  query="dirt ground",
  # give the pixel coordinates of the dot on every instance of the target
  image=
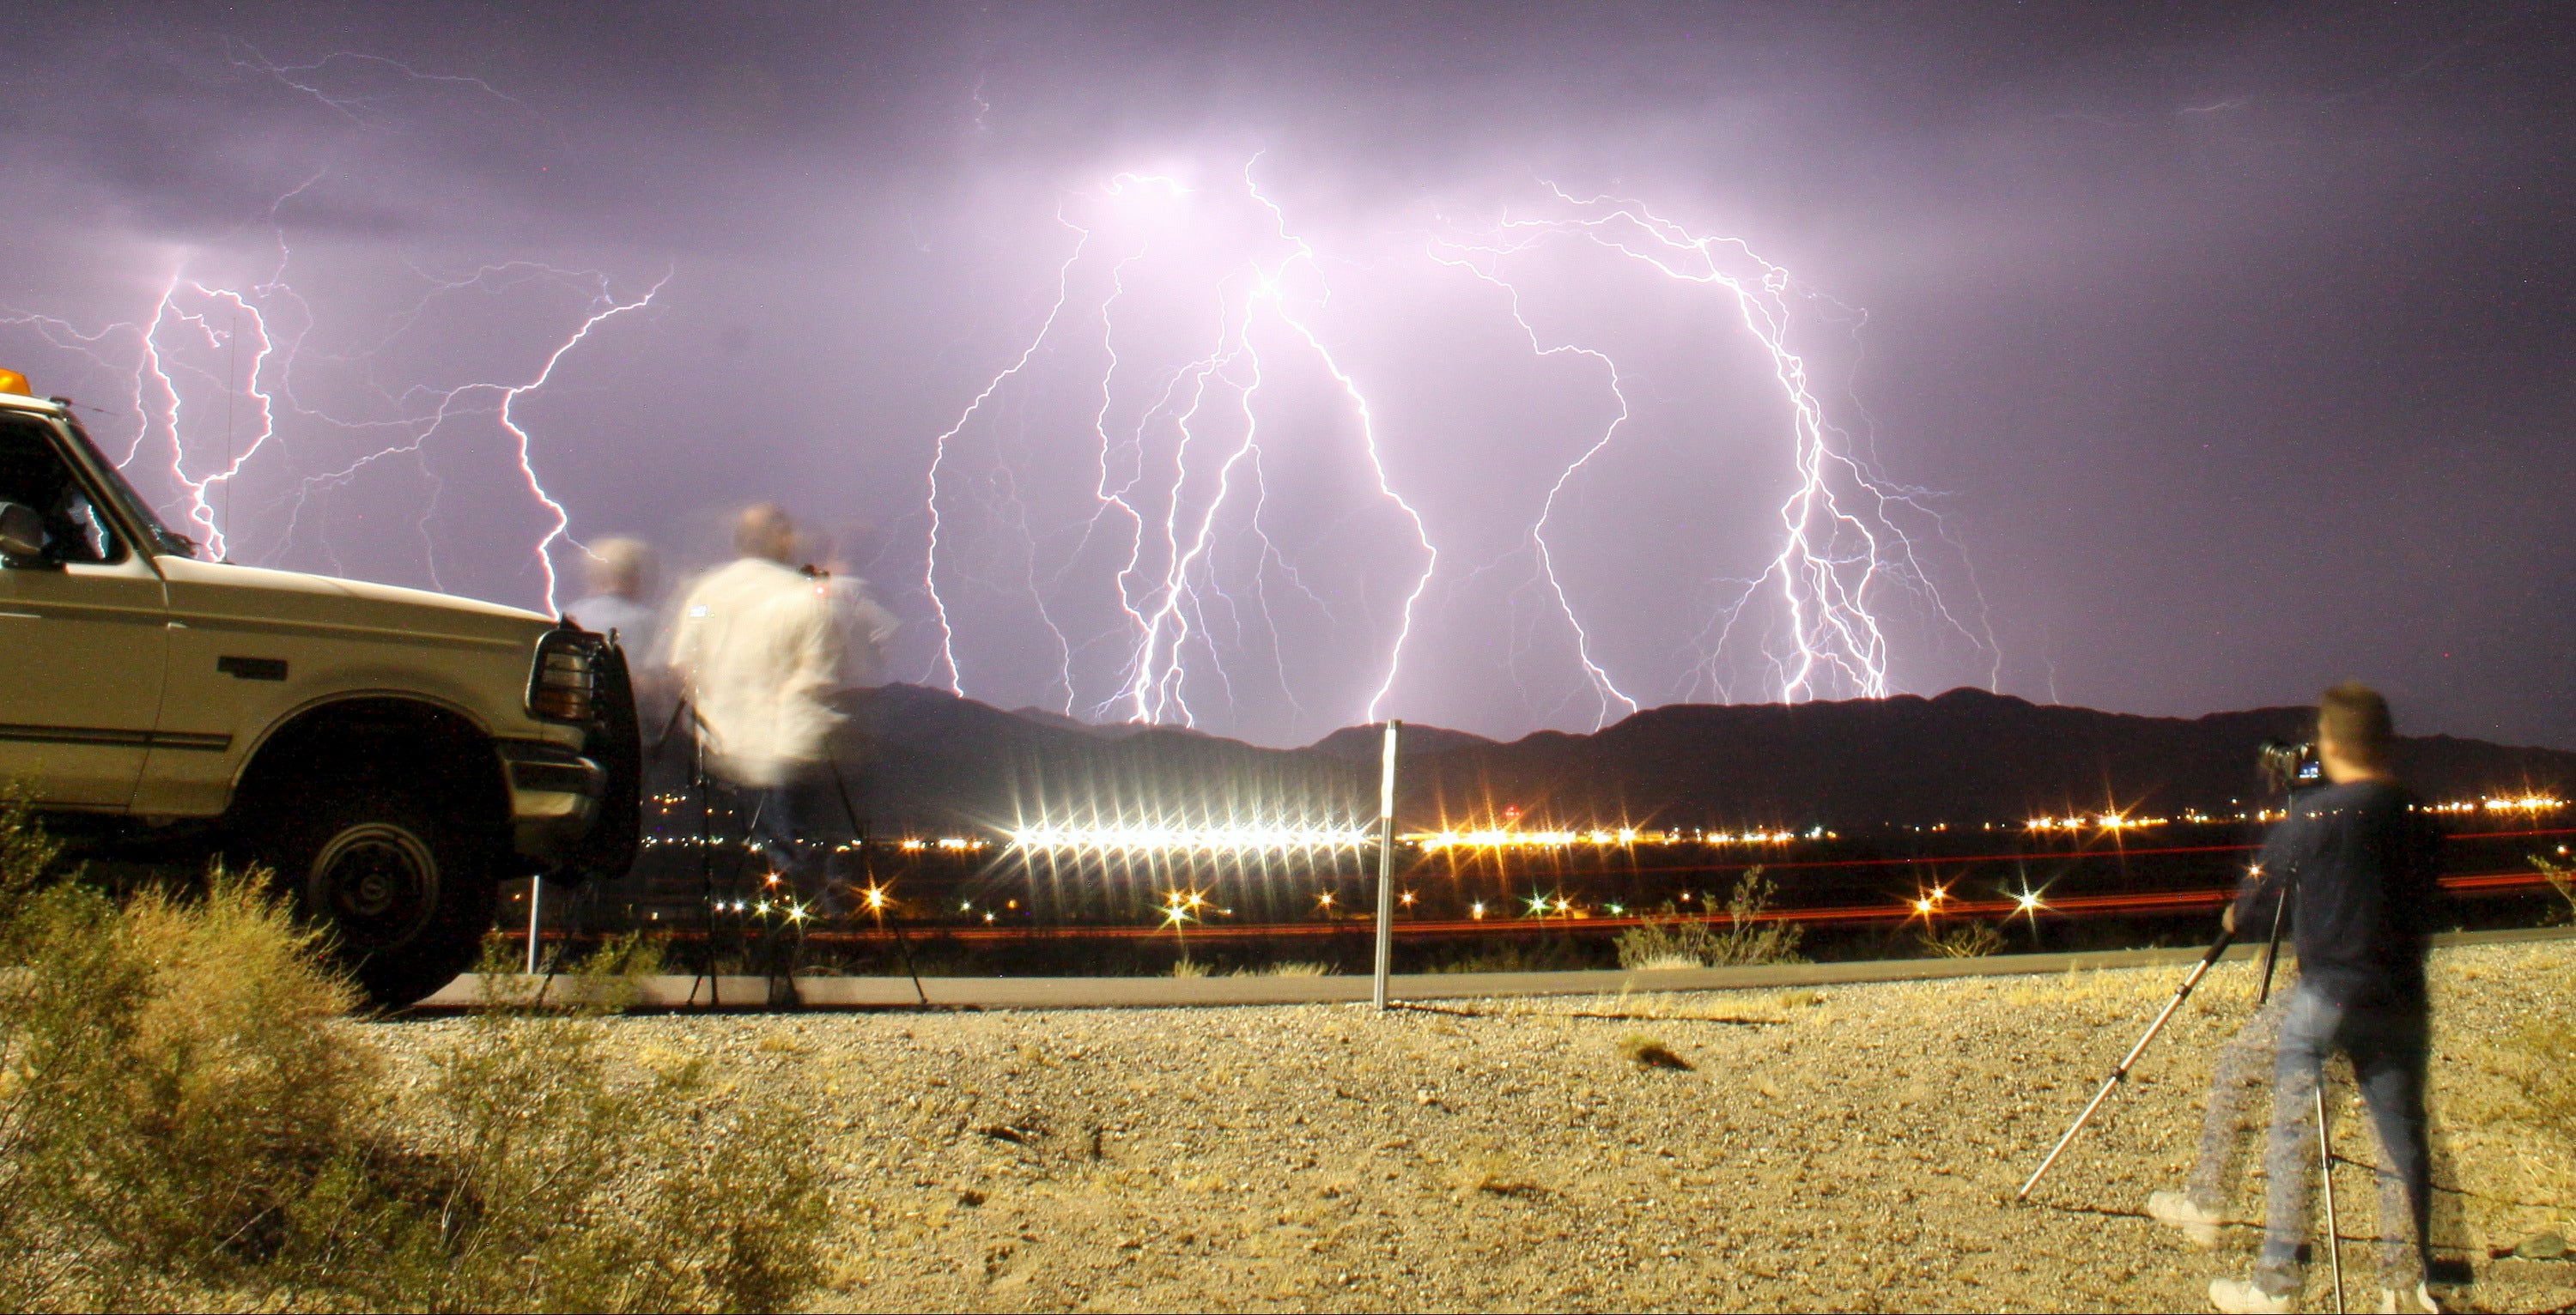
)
(1852, 1147)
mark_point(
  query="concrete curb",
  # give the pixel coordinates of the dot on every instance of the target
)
(677, 992)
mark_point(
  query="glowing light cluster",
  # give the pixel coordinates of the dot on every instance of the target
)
(953, 844)
(2530, 803)
(2097, 821)
(1210, 839)
(1622, 838)
(1502, 838)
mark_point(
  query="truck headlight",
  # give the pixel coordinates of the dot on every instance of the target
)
(561, 684)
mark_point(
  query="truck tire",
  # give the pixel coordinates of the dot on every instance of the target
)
(405, 893)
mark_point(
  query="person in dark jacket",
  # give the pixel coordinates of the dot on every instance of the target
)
(2357, 861)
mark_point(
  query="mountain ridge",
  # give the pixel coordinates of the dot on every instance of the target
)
(929, 759)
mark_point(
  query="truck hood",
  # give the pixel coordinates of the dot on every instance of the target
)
(258, 592)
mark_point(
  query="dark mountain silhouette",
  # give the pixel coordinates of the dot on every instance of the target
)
(926, 759)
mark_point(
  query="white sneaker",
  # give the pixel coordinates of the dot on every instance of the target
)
(2243, 1296)
(2423, 1301)
(2199, 1227)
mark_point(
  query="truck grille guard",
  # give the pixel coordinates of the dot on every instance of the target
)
(616, 743)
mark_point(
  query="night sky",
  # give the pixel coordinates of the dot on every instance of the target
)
(2167, 363)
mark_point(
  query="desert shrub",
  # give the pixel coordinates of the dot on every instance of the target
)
(2561, 878)
(184, 1073)
(1740, 936)
(1976, 940)
(188, 1117)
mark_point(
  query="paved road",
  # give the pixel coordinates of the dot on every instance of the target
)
(1159, 992)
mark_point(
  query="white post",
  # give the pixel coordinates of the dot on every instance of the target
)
(536, 894)
(1386, 863)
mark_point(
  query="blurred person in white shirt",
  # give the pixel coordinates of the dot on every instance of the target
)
(618, 570)
(756, 649)
(866, 627)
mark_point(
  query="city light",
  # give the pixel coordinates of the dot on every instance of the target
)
(1598, 838)
(2027, 903)
(2530, 803)
(2102, 821)
(1183, 906)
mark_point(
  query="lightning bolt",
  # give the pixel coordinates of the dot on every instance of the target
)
(1841, 546)
(1184, 451)
(214, 366)
(206, 357)
(947, 660)
(1170, 595)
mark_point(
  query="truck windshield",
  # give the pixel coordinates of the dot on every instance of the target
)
(165, 541)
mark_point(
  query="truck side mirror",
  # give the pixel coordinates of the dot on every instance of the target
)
(22, 534)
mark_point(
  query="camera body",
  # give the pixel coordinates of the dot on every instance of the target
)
(2290, 766)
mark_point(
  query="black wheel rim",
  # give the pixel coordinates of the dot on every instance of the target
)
(377, 883)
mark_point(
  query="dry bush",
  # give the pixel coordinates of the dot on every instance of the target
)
(1974, 941)
(187, 1117)
(1741, 936)
(2561, 878)
(1185, 966)
(186, 1073)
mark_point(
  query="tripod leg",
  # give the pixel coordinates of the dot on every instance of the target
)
(2200, 970)
(2272, 948)
(902, 941)
(2325, 1164)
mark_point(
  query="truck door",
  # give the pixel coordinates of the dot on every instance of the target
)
(82, 635)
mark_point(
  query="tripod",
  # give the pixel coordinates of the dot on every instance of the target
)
(698, 786)
(2271, 953)
(867, 869)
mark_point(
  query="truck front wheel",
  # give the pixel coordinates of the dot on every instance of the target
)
(405, 894)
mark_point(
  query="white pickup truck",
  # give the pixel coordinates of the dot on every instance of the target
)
(391, 754)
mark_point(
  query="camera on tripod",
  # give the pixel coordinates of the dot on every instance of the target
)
(2289, 766)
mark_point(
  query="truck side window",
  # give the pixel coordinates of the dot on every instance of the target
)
(34, 474)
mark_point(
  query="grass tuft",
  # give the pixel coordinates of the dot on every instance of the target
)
(1292, 968)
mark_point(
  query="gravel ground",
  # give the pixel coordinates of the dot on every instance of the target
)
(1849, 1147)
